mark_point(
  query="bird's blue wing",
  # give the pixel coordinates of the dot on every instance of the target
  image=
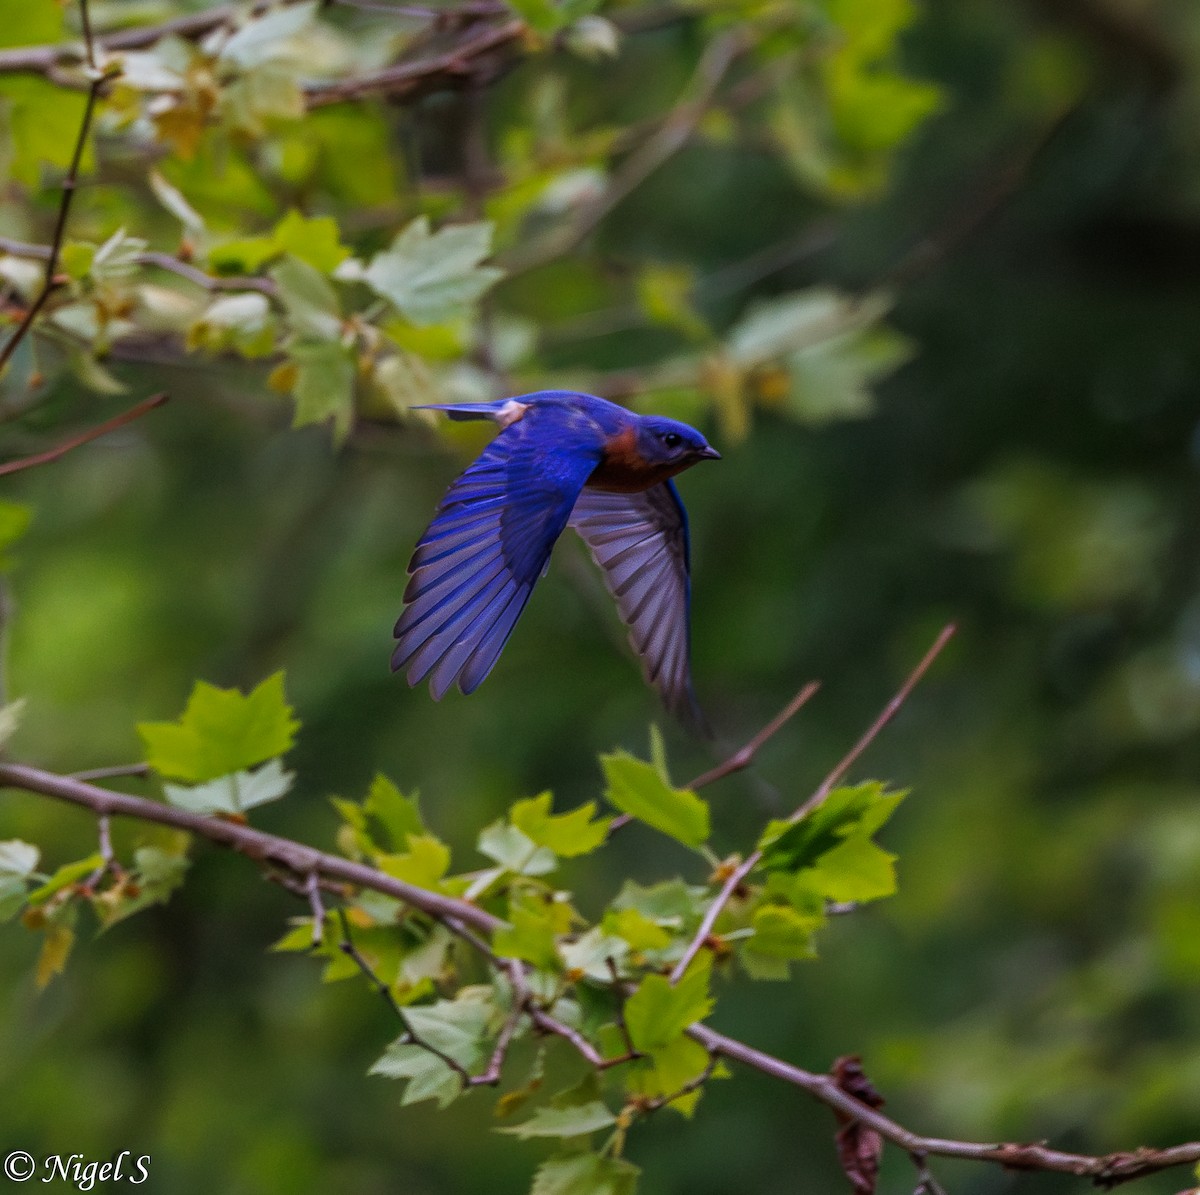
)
(474, 568)
(640, 540)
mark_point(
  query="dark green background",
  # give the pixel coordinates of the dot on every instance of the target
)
(1030, 475)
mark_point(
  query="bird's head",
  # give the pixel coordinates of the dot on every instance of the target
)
(666, 442)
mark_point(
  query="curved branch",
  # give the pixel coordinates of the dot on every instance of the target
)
(93, 433)
(737, 876)
(466, 920)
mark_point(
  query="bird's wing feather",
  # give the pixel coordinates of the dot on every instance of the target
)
(476, 564)
(640, 541)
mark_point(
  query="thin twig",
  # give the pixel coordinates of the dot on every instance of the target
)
(744, 757)
(50, 279)
(115, 772)
(94, 433)
(350, 950)
(738, 875)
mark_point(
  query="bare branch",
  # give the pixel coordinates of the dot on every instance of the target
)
(94, 433)
(744, 757)
(161, 261)
(737, 876)
(50, 279)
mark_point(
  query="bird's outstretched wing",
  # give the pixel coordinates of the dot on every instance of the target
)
(640, 541)
(474, 568)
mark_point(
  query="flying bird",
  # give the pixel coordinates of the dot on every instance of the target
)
(561, 459)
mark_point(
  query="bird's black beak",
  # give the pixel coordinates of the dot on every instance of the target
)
(708, 453)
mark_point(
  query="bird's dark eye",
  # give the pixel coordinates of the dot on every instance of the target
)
(672, 439)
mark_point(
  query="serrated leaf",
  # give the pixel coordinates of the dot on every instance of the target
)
(531, 932)
(635, 928)
(667, 1069)
(862, 808)
(424, 863)
(18, 859)
(857, 869)
(429, 1078)
(669, 903)
(566, 834)
(235, 793)
(782, 932)
(221, 731)
(247, 254)
(457, 1027)
(313, 241)
(573, 1121)
(324, 385)
(434, 277)
(515, 851)
(657, 1012)
(309, 299)
(585, 1174)
(640, 789)
(399, 815)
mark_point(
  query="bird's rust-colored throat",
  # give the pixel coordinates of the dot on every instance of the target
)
(624, 470)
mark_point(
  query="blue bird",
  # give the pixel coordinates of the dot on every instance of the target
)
(560, 459)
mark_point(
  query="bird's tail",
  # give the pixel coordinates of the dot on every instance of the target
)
(498, 412)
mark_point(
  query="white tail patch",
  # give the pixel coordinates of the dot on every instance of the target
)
(511, 412)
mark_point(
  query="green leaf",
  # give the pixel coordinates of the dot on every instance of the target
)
(585, 1174)
(324, 386)
(65, 876)
(533, 926)
(424, 864)
(782, 932)
(234, 793)
(313, 241)
(857, 870)
(221, 731)
(636, 929)
(310, 301)
(566, 834)
(434, 277)
(668, 1068)
(244, 254)
(399, 815)
(18, 859)
(574, 1120)
(657, 1012)
(670, 903)
(861, 809)
(455, 1027)
(515, 851)
(429, 1078)
(157, 874)
(591, 953)
(643, 790)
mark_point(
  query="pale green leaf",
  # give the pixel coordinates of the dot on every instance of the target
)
(18, 859)
(234, 793)
(515, 851)
(585, 1174)
(10, 719)
(313, 241)
(309, 299)
(574, 1120)
(434, 277)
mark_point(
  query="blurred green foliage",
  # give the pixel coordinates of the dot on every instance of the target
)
(930, 274)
